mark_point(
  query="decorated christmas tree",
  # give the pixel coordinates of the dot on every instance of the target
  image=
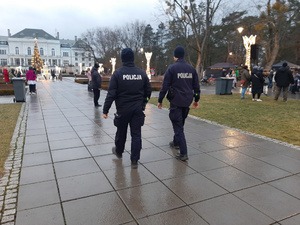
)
(36, 61)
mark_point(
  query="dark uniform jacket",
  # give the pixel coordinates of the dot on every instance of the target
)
(183, 78)
(129, 87)
(96, 79)
(284, 77)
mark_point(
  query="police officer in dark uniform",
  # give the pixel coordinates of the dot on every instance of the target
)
(130, 88)
(182, 84)
(96, 84)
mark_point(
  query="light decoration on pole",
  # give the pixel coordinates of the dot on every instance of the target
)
(248, 41)
(148, 57)
(113, 63)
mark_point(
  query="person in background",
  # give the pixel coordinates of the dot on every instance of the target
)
(233, 75)
(266, 76)
(6, 76)
(257, 82)
(182, 84)
(96, 84)
(283, 78)
(89, 75)
(31, 80)
(245, 80)
(11, 74)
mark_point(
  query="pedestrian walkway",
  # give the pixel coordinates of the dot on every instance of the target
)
(69, 175)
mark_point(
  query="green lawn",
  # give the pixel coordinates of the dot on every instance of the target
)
(276, 120)
(9, 114)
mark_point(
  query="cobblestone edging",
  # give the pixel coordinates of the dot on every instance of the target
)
(9, 183)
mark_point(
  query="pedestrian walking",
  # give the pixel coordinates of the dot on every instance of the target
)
(257, 82)
(245, 80)
(130, 89)
(182, 84)
(31, 80)
(283, 78)
(96, 84)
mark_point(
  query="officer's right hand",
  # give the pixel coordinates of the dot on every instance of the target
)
(104, 116)
(159, 105)
(195, 105)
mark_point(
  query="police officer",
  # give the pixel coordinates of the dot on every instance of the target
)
(182, 84)
(130, 88)
(96, 84)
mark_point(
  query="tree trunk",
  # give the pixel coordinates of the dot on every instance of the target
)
(274, 53)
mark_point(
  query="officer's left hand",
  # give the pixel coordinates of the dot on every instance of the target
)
(159, 105)
(195, 105)
(104, 116)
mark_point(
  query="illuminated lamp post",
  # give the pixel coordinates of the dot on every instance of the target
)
(148, 57)
(113, 63)
(248, 41)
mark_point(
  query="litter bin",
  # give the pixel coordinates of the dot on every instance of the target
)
(224, 86)
(19, 89)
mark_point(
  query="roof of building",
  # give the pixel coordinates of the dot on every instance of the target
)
(66, 43)
(291, 65)
(33, 33)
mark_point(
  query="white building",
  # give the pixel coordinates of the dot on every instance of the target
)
(17, 50)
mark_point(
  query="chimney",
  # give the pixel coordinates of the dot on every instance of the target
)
(75, 38)
(57, 36)
(8, 31)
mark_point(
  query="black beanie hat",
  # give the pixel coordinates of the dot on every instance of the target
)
(284, 64)
(127, 55)
(179, 52)
(96, 65)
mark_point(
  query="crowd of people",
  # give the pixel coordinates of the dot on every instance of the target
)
(259, 80)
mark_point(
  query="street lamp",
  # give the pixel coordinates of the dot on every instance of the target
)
(113, 63)
(248, 41)
(148, 57)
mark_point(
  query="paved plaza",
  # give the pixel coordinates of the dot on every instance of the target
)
(69, 176)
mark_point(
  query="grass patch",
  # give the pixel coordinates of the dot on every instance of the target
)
(276, 120)
(9, 114)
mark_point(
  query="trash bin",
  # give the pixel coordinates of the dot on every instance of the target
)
(19, 89)
(224, 86)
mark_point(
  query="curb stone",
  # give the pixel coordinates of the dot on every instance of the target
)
(9, 183)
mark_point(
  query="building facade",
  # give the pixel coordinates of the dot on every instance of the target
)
(17, 50)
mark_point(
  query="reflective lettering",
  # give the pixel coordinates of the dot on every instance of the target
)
(184, 75)
(132, 77)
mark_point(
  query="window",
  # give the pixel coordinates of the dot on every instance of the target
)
(29, 61)
(76, 64)
(76, 59)
(41, 51)
(28, 51)
(17, 51)
(66, 62)
(53, 52)
(3, 62)
(2, 52)
(76, 53)
(66, 54)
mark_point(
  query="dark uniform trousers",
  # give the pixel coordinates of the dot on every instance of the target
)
(136, 120)
(177, 116)
(96, 96)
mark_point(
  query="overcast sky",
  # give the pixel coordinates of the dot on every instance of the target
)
(72, 18)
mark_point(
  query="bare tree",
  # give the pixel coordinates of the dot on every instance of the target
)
(271, 30)
(196, 19)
